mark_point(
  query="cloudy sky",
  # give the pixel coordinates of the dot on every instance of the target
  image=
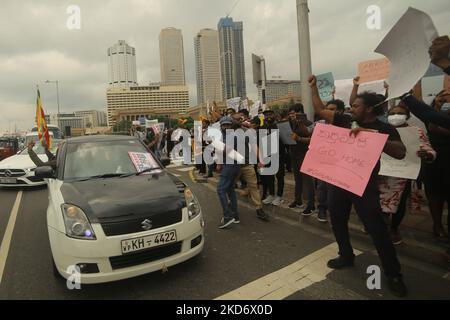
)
(36, 44)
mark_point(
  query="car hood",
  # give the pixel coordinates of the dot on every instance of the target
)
(120, 199)
(20, 162)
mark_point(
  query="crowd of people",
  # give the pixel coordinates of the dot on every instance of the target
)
(384, 202)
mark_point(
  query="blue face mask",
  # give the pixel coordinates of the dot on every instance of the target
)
(445, 107)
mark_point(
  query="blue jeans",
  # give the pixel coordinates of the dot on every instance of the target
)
(226, 192)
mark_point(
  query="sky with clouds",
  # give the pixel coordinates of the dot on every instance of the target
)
(36, 44)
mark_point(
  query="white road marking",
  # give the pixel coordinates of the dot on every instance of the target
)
(289, 280)
(6, 242)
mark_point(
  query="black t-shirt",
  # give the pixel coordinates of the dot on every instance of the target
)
(345, 121)
(299, 149)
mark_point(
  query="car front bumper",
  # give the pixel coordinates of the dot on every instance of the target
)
(68, 252)
(28, 180)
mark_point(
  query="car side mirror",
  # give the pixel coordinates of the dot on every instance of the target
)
(165, 161)
(45, 172)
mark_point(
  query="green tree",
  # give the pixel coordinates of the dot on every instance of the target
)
(122, 126)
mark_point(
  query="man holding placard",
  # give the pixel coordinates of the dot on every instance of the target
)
(363, 117)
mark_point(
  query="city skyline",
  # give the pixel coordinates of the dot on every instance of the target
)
(77, 57)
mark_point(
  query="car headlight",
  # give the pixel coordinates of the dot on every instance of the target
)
(192, 204)
(77, 224)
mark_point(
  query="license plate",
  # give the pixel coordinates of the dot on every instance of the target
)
(8, 180)
(154, 240)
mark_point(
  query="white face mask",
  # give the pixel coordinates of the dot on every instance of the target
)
(397, 120)
(445, 107)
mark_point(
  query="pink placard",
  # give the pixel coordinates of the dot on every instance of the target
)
(373, 70)
(344, 161)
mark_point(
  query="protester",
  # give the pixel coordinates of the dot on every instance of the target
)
(229, 171)
(248, 173)
(301, 135)
(394, 192)
(437, 174)
(151, 140)
(268, 181)
(35, 158)
(337, 106)
(440, 56)
(364, 114)
(282, 153)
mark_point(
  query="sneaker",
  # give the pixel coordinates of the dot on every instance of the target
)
(278, 201)
(397, 287)
(295, 205)
(340, 263)
(308, 212)
(260, 214)
(226, 222)
(237, 220)
(268, 200)
(322, 216)
(396, 238)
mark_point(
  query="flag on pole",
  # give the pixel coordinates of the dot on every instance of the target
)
(41, 123)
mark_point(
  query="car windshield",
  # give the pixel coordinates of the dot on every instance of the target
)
(102, 159)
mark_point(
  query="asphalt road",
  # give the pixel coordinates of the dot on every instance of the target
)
(242, 259)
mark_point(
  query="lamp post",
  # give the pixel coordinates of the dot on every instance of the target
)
(305, 55)
(57, 93)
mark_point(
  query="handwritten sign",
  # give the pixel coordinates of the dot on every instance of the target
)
(409, 167)
(286, 133)
(142, 161)
(372, 70)
(325, 84)
(344, 161)
(234, 103)
(447, 83)
(150, 123)
(406, 46)
(343, 90)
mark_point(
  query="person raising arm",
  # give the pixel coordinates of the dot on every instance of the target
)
(364, 111)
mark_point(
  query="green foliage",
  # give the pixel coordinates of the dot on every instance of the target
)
(122, 126)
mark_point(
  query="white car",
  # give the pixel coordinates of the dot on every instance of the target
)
(115, 213)
(18, 170)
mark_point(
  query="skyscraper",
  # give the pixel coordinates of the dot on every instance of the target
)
(122, 65)
(172, 57)
(207, 64)
(232, 60)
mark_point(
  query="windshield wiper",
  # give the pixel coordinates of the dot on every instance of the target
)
(147, 171)
(102, 176)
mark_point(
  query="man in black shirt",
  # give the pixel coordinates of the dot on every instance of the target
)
(363, 117)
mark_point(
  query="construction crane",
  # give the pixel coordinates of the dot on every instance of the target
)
(233, 7)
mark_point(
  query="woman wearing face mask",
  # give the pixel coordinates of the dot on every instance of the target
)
(437, 175)
(394, 192)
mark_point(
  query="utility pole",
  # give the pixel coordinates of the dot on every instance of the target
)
(304, 44)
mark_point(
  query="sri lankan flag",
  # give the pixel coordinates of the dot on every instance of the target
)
(41, 123)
